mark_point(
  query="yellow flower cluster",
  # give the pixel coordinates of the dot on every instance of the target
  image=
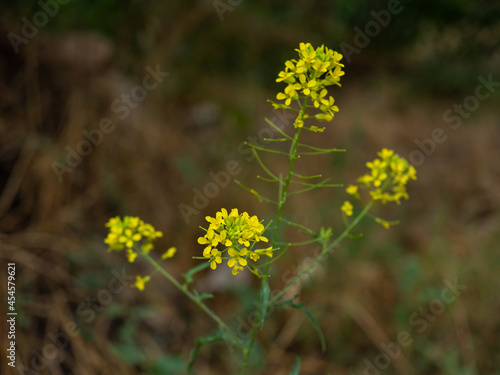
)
(129, 232)
(308, 77)
(236, 233)
(347, 208)
(387, 178)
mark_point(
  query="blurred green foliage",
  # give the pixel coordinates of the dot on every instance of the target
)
(254, 38)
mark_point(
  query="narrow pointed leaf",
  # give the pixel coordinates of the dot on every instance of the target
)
(311, 318)
(264, 300)
(217, 336)
(188, 276)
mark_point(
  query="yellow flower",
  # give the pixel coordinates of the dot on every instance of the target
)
(311, 74)
(215, 258)
(169, 253)
(386, 179)
(298, 122)
(319, 98)
(384, 223)
(315, 129)
(236, 270)
(129, 233)
(353, 190)
(267, 252)
(385, 153)
(237, 256)
(131, 255)
(129, 238)
(347, 208)
(235, 232)
(290, 93)
(140, 282)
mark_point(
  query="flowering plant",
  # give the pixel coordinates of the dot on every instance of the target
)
(235, 232)
(237, 237)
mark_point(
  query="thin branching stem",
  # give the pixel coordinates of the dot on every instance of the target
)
(306, 177)
(267, 179)
(303, 227)
(324, 252)
(321, 149)
(196, 299)
(278, 129)
(262, 165)
(267, 150)
(252, 191)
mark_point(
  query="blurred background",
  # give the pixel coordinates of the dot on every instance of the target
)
(132, 107)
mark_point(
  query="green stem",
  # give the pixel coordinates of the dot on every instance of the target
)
(223, 326)
(281, 205)
(248, 349)
(293, 156)
(326, 250)
(284, 195)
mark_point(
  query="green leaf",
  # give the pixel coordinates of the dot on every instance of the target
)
(310, 316)
(188, 276)
(202, 296)
(316, 327)
(296, 368)
(264, 300)
(217, 336)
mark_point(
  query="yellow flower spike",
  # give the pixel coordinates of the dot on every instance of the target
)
(130, 232)
(347, 208)
(387, 178)
(140, 282)
(310, 75)
(236, 233)
(169, 253)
